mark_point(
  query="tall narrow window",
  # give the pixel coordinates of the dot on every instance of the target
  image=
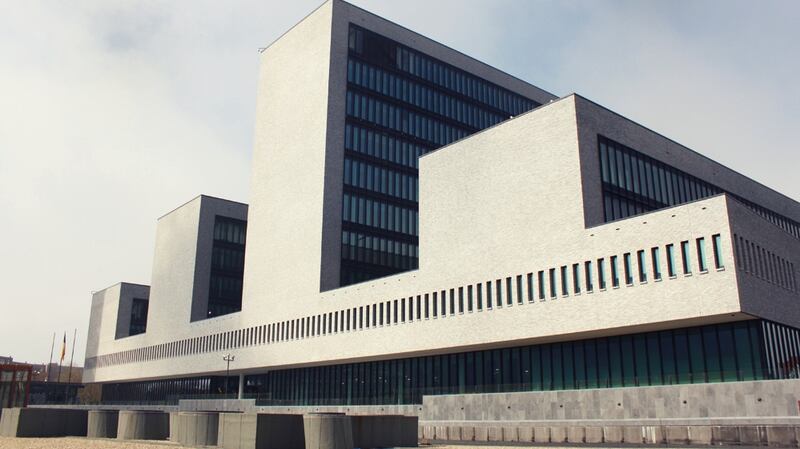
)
(553, 292)
(614, 272)
(717, 241)
(601, 273)
(576, 278)
(435, 303)
(541, 285)
(701, 254)
(469, 298)
(479, 297)
(671, 260)
(460, 299)
(642, 266)
(628, 268)
(453, 302)
(509, 292)
(519, 290)
(687, 266)
(530, 287)
(564, 280)
(427, 306)
(655, 256)
(588, 270)
(489, 294)
(499, 292)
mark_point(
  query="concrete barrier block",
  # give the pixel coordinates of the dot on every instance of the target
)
(541, 434)
(724, 435)
(174, 427)
(386, 431)
(440, 433)
(428, 432)
(102, 423)
(575, 434)
(700, 435)
(453, 433)
(781, 436)
(525, 434)
(198, 428)
(467, 433)
(481, 433)
(327, 431)
(5, 419)
(495, 433)
(633, 434)
(752, 435)
(510, 434)
(654, 435)
(408, 431)
(142, 425)
(558, 434)
(276, 431)
(676, 434)
(593, 435)
(43, 422)
(613, 434)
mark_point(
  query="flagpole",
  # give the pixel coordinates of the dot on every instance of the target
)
(61, 360)
(47, 368)
(71, 357)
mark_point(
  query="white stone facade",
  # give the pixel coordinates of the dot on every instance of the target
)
(501, 206)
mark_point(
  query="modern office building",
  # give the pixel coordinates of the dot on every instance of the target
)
(546, 244)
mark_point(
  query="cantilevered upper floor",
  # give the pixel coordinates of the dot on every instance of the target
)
(517, 246)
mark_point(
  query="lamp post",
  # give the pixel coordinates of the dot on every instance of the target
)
(228, 358)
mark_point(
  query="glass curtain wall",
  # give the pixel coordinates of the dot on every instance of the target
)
(750, 350)
(401, 104)
(227, 266)
(634, 183)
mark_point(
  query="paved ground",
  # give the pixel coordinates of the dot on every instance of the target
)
(84, 443)
(81, 443)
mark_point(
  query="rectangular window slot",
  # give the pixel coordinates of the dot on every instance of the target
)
(701, 254)
(642, 260)
(671, 272)
(614, 272)
(685, 259)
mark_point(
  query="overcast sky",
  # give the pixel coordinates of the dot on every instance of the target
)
(113, 113)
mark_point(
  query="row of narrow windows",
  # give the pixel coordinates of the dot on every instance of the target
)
(441, 74)
(545, 284)
(376, 250)
(381, 180)
(382, 146)
(754, 259)
(434, 101)
(401, 120)
(634, 183)
(378, 214)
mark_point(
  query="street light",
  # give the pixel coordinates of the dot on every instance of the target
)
(228, 358)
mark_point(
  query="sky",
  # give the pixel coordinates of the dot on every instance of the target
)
(113, 113)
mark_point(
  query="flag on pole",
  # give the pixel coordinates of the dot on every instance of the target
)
(63, 348)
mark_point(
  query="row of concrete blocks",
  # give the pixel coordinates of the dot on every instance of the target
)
(227, 430)
(58, 422)
(750, 435)
(315, 431)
